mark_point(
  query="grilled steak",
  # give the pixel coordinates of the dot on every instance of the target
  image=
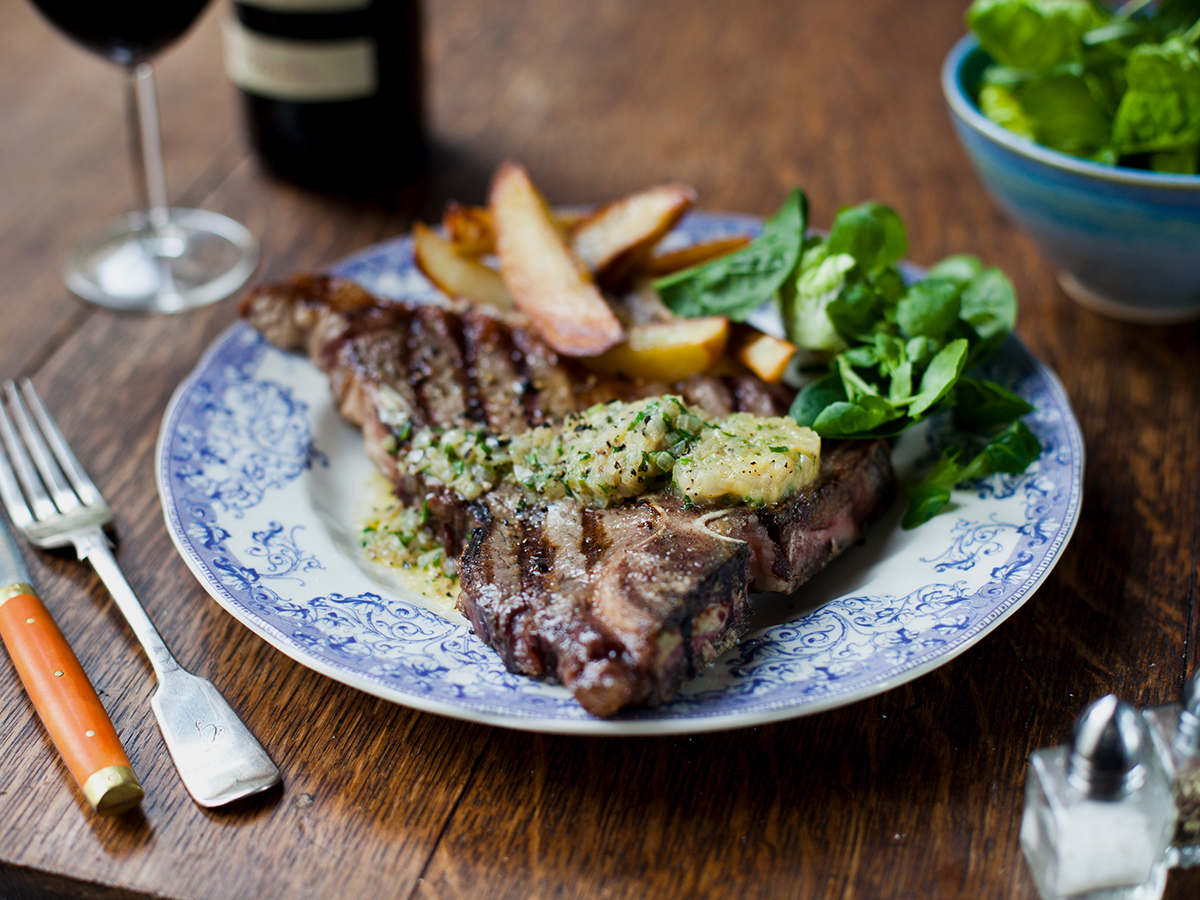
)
(623, 604)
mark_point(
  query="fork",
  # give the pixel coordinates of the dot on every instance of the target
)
(53, 502)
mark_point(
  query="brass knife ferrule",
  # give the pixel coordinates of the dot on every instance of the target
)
(16, 589)
(113, 790)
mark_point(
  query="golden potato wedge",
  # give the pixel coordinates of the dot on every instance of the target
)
(615, 239)
(695, 255)
(469, 228)
(666, 351)
(456, 275)
(764, 355)
(546, 279)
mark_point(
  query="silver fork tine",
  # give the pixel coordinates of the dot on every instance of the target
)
(76, 474)
(10, 491)
(43, 507)
(52, 476)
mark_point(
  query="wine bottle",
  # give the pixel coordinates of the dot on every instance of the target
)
(332, 89)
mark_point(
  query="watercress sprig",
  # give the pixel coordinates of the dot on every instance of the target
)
(897, 352)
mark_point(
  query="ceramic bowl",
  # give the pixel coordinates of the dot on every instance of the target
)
(1124, 242)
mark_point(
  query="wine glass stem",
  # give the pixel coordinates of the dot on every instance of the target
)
(147, 143)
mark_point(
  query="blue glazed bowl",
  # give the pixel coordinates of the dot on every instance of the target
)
(1125, 243)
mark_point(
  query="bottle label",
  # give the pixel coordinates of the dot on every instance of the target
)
(299, 71)
(307, 6)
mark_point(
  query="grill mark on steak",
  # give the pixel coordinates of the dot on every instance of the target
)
(435, 360)
(622, 605)
(490, 366)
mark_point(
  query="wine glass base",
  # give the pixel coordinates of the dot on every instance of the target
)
(198, 257)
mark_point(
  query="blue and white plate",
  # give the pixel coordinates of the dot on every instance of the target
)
(263, 489)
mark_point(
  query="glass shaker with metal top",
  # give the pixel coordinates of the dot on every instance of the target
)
(1099, 812)
(1175, 729)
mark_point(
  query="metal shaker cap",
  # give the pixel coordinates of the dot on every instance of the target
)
(1187, 736)
(1108, 749)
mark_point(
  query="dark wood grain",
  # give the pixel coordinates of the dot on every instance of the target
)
(914, 793)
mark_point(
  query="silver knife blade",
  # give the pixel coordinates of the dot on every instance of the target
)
(12, 566)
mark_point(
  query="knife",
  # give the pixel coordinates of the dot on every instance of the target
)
(60, 690)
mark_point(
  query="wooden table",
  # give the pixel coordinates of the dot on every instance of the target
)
(915, 793)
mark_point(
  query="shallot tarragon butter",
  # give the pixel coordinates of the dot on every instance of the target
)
(618, 450)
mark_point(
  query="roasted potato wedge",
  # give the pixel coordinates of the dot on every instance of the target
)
(615, 239)
(687, 257)
(456, 275)
(666, 351)
(545, 277)
(764, 355)
(469, 228)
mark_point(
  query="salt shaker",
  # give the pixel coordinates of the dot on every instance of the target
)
(1176, 733)
(1099, 813)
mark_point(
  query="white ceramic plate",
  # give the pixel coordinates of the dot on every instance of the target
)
(262, 486)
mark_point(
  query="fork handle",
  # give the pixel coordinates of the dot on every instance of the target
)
(66, 702)
(93, 546)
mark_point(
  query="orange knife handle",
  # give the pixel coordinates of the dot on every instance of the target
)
(66, 702)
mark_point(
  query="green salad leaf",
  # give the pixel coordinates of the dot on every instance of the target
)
(1012, 451)
(1065, 114)
(1115, 86)
(896, 352)
(1160, 111)
(1038, 35)
(871, 233)
(737, 284)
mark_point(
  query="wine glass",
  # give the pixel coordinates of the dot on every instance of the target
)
(159, 259)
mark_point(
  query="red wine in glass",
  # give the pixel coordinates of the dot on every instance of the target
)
(159, 259)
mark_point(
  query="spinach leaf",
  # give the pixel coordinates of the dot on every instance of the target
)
(737, 284)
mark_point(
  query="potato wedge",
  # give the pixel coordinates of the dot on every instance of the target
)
(695, 255)
(764, 355)
(666, 351)
(469, 228)
(546, 279)
(456, 275)
(616, 238)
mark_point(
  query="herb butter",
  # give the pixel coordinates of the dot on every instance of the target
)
(617, 450)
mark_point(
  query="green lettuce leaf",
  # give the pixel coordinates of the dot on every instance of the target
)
(737, 284)
(1161, 108)
(1038, 35)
